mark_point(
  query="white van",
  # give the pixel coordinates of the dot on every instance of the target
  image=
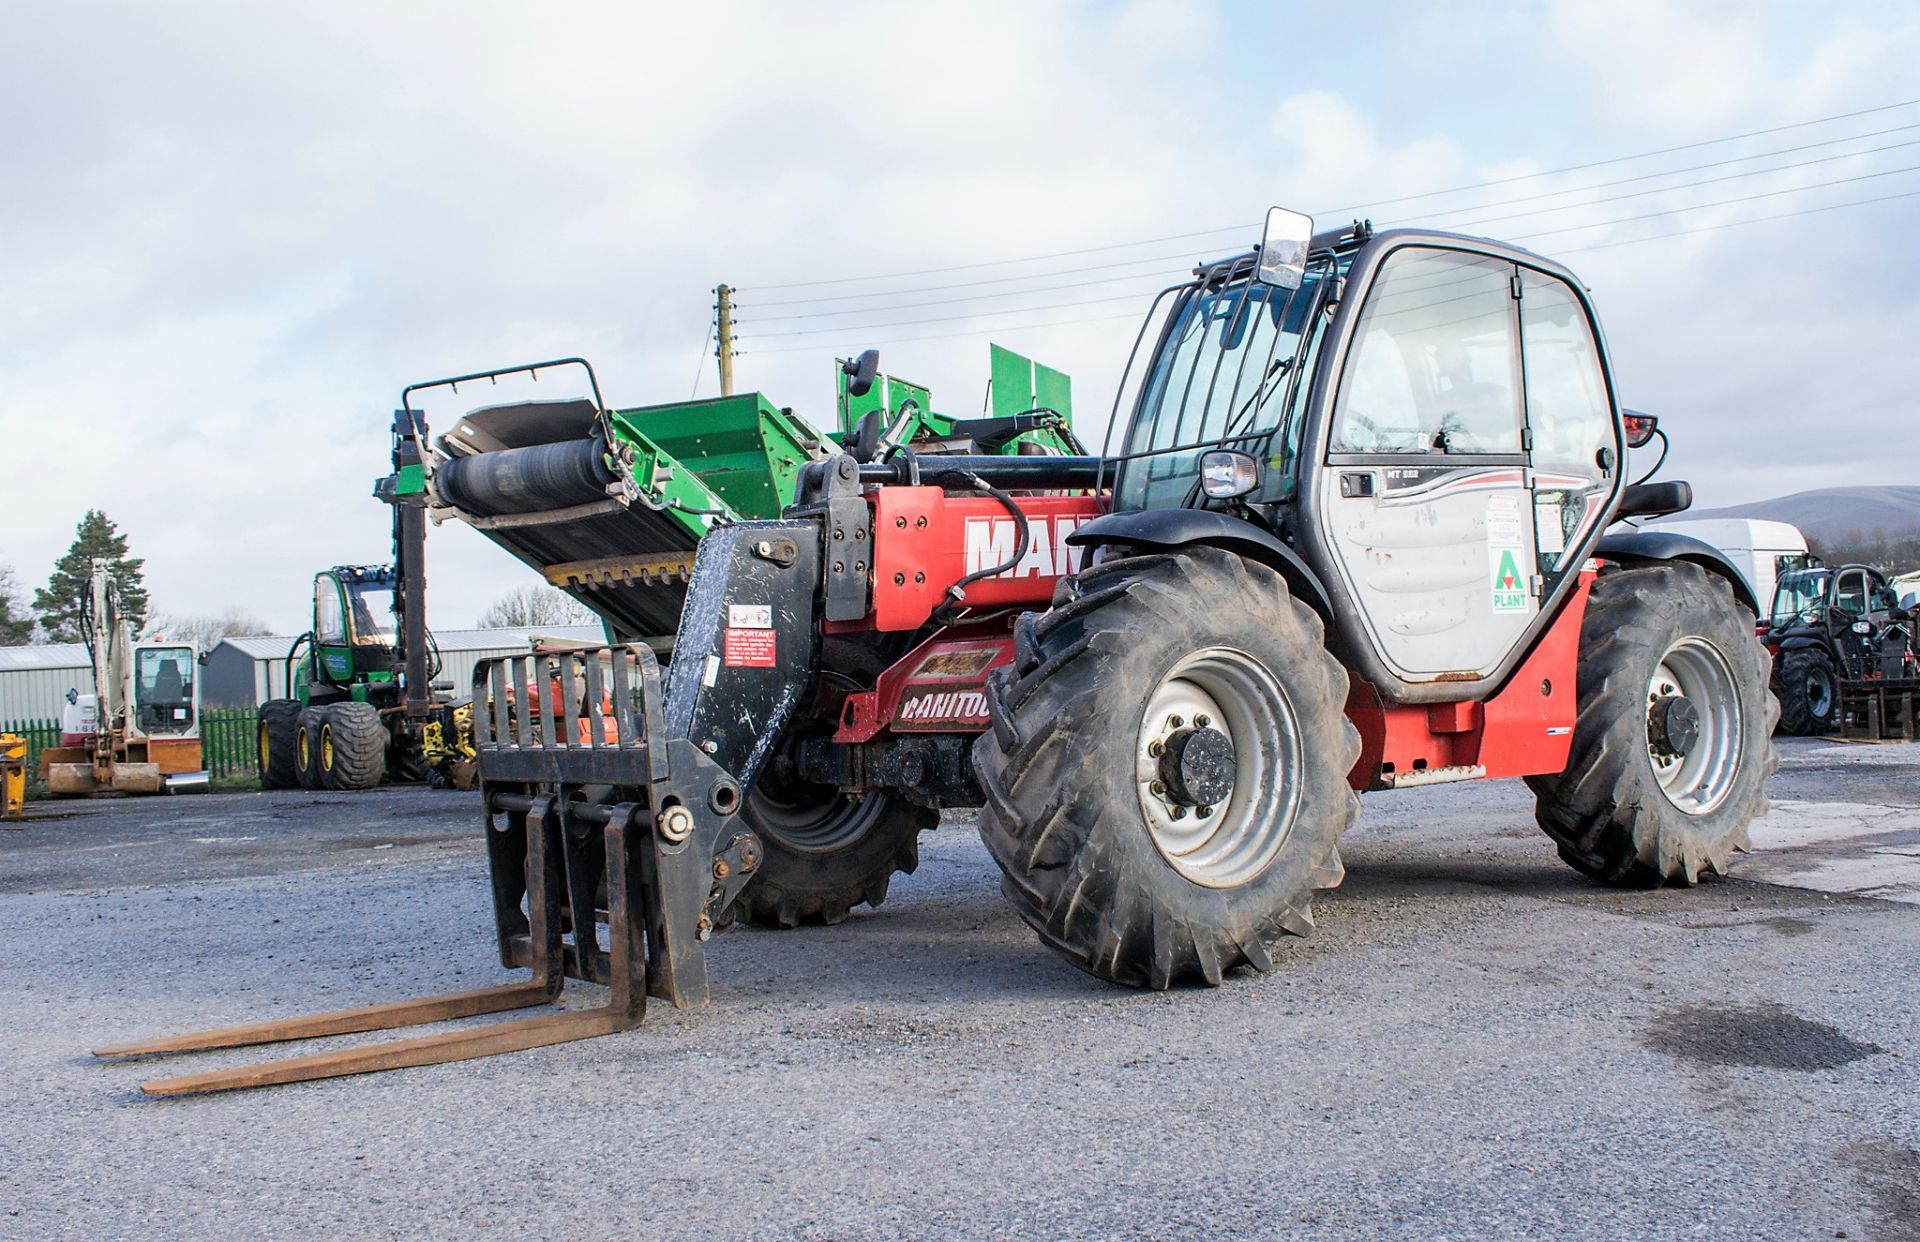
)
(1759, 549)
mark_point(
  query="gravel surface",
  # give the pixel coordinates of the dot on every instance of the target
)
(1476, 1043)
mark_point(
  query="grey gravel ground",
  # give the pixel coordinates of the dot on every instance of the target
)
(1475, 1044)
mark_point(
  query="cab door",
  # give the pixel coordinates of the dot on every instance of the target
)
(1430, 515)
(1572, 442)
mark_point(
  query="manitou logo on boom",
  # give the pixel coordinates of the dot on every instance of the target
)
(991, 541)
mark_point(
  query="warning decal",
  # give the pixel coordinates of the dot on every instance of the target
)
(749, 648)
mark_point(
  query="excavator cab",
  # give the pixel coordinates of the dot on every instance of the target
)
(163, 690)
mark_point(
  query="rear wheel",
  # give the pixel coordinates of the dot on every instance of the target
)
(1671, 748)
(276, 747)
(306, 747)
(353, 746)
(1166, 775)
(1808, 691)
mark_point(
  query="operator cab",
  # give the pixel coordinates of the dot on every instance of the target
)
(163, 691)
(1426, 419)
(354, 626)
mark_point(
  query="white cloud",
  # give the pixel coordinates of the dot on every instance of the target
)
(228, 252)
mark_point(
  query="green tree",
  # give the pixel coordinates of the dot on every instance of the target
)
(16, 623)
(58, 603)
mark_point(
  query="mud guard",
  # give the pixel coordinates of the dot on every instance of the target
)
(1169, 529)
(1649, 547)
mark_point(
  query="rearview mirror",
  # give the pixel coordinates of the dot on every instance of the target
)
(1283, 249)
(1639, 427)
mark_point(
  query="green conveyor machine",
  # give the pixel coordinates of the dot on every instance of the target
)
(609, 505)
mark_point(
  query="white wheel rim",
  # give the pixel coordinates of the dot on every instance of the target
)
(1700, 780)
(1235, 840)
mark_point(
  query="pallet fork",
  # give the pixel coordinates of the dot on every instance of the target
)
(585, 825)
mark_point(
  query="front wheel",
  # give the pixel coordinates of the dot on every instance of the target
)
(1671, 745)
(1808, 692)
(1166, 775)
(824, 852)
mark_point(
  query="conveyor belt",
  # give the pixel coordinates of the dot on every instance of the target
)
(629, 564)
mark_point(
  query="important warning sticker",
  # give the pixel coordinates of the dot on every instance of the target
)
(749, 648)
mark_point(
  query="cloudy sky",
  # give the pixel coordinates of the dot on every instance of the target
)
(231, 232)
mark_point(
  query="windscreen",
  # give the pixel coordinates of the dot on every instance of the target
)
(373, 621)
(1798, 594)
(1223, 377)
(163, 690)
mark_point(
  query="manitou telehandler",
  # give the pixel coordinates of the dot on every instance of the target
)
(1352, 534)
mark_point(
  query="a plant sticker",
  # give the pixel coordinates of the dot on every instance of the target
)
(1505, 543)
(1509, 587)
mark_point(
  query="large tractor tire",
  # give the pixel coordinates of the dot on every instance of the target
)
(824, 852)
(1809, 692)
(276, 745)
(1166, 772)
(306, 747)
(353, 746)
(1671, 746)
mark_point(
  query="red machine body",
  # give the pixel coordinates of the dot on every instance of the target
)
(925, 541)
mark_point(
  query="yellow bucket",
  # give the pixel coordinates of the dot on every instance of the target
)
(13, 774)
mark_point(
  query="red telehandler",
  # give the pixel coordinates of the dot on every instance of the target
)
(1351, 533)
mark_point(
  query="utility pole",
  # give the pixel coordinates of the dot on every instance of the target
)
(724, 308)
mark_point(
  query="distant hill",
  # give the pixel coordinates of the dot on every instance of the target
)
(1833, 513)
(1878, 525)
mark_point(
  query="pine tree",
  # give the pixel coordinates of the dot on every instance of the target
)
(16, 623)
(58, 603)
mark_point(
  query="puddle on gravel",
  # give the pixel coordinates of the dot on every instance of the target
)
(1765, 1036)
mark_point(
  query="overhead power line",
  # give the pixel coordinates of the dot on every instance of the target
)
(884, 325)
(1758, 172)
(1409, 198)
(998, 328)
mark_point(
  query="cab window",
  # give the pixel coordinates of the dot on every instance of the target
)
(1434, 366)
(1850, 594)
(329, 621)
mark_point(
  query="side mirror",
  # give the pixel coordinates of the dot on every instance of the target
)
(1639, 427)
(860, 372)
(1283, 249)
(1225, 474)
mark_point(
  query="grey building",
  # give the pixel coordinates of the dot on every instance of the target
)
(34, 680)
(246, 672)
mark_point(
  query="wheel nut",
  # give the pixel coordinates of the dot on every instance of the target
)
(1178, 812)
(1202, 721)
(1159, 789)
(1203, 811)
(1174, 722)
(1154, 748)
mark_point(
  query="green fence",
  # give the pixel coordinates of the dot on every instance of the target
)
(227, 740)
